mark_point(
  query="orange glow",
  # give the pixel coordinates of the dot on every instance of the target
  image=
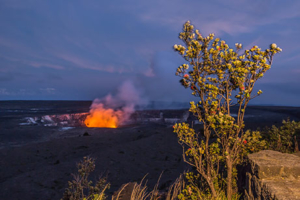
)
(103, 117)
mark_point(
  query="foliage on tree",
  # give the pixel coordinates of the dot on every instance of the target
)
(221, 77)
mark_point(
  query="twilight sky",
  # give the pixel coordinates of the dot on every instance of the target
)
(81, 50)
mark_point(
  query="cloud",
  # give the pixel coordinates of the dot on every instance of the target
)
(19, 92)
(149, 72)
(232, 17)
(286, 93)
(6, 77)
(88, 64)
(164, 85)
(297, 71)
(89, 49)
(3, 91)
(11, 75)
(42, 64)
(48, 90)
(52, 76)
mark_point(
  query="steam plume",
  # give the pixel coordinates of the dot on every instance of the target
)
(112, 111)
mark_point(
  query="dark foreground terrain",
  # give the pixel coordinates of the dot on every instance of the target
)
(37, 161)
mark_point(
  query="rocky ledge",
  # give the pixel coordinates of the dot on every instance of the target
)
(272, 175)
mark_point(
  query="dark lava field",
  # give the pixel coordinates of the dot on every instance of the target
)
(37, 160)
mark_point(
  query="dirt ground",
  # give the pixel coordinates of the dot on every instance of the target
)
(37, 162)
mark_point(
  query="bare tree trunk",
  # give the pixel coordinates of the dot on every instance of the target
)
(229, 177)
(296, 144)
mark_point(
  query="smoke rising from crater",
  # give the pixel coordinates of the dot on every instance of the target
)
(115, 110)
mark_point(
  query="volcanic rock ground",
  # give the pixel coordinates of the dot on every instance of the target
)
(37, 162)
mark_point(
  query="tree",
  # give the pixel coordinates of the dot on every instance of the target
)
(221, 78)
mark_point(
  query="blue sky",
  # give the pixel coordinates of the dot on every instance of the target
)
(81, 50)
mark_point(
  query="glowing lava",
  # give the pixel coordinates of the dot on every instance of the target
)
(114, 111)
(103, 117)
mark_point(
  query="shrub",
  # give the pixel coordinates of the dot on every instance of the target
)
(81, 188)
(283, 138)
(220, 77)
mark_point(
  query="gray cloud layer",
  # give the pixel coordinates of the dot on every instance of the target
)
(85, 49)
